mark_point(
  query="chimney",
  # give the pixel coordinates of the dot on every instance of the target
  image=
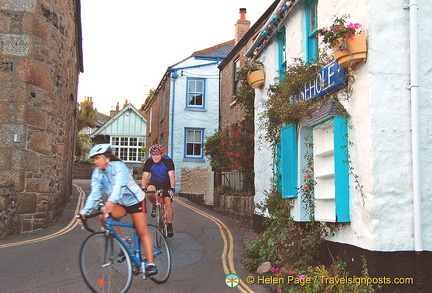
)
(113, 112)
(242, 26)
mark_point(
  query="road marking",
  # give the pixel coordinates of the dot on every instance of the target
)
(227, 253)
(72, 224)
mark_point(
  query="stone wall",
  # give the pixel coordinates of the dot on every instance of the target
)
(194, 181)
(198, 188)
(82, 170)
(39, 66)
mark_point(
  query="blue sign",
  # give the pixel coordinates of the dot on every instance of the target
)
(330, 78)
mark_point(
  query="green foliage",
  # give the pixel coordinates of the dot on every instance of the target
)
(215, 150)
(82, 146)
(86, 115)
(286, 103)
(285, 242)
(251, 66)
(226, 190)
(232, 148)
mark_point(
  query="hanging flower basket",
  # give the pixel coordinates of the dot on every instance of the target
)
(256, 79)
(350, 51)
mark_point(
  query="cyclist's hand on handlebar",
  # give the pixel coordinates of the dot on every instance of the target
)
(80, 218)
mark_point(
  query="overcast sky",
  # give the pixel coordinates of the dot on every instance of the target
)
(129, 44)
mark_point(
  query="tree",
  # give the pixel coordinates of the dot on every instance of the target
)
(85, 117)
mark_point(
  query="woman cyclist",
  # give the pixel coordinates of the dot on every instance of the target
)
(125, 196)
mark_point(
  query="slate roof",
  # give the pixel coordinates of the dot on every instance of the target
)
(221, 50)
(330, 109)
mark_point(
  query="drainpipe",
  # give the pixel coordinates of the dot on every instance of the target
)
(414, 87)
(174, 76)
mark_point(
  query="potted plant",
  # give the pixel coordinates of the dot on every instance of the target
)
(255, 74)
(347, 41)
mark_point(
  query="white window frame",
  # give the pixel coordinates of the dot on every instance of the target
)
(128, 149)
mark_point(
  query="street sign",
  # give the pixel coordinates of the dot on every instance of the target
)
(330, 78)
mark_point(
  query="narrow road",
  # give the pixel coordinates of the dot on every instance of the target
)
(206, 248)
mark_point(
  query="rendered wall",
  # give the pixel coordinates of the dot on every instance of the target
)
(380, 123)
(206, 118)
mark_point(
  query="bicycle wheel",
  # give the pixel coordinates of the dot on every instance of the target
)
(162, 255)
(100, 266)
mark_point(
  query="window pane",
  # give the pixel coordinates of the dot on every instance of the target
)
(197, 149)
(197, 136)
(133, 141)
(123, 154)
(199, 86)
(133, 154)
(312, 18)
(195, 92)
(123, 141)
(114, 140)
(189, 149)
(194, 143)
(189, 136)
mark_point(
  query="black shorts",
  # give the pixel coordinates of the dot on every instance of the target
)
(136, 208)
(161, 185)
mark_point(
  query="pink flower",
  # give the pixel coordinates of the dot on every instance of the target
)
(302, 277)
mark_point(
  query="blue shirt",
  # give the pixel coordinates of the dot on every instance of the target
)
(159, 171)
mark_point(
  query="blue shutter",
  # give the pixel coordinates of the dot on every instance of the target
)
(341, 169)
(289, 160)
(278, 170)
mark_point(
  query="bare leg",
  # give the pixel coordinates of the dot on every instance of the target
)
(118, 212)
(151, 196)
(140, 221)
(169, 209)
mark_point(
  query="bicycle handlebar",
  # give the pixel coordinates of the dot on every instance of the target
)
(156, 191)
(84, 220)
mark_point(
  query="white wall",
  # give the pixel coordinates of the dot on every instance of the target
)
(207, 119)
(381, 218)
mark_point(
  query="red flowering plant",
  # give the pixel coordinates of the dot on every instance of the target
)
(339, 29)
(232, 148)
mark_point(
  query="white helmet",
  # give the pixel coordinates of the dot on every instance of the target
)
(100, 149)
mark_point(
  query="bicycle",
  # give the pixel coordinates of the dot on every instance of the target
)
(104, 266)
(161, 216)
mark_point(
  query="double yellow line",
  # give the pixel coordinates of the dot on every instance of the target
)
(72, 224)
(228, 250)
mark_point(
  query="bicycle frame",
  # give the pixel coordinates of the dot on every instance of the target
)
(135, 256)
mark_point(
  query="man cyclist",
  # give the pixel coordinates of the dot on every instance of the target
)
(158, 173)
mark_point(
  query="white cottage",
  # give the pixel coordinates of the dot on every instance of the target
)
(389, 129)
(184, 108)
(126, 132)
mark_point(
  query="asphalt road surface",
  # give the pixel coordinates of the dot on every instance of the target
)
(206, 247)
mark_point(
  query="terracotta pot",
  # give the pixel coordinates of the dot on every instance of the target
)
(256, 79)
(349, 52)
